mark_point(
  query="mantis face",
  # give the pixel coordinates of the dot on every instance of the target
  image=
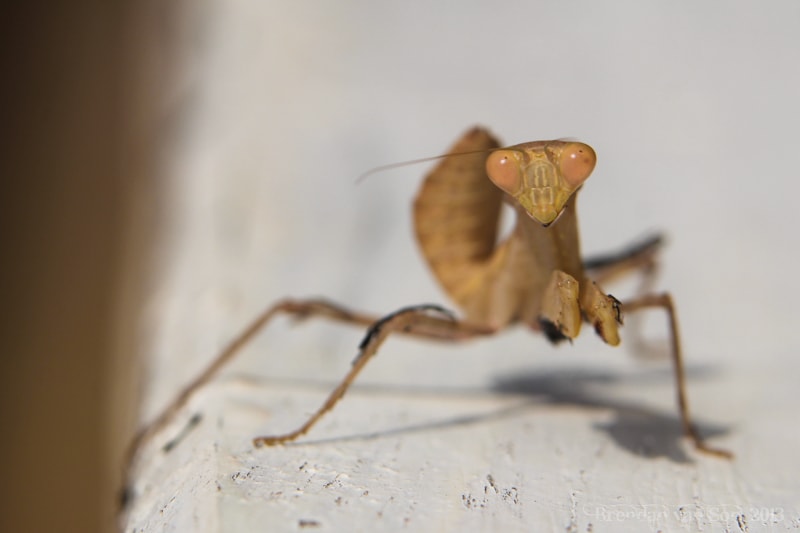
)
(542, 175)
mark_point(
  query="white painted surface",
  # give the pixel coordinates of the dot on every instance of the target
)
(693, 111)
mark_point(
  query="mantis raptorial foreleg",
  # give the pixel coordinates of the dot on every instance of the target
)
(560, 317)
(602, 311)
(640, 257)
(422, 320)
(664, 301)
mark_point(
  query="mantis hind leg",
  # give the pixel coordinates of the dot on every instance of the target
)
(640, 256)
(300, 309)
(664, 301)
(423, 320)
(422, 326)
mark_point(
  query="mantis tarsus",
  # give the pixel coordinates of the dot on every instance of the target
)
(535, 277)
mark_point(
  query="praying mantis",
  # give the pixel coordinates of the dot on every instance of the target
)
(535, 277)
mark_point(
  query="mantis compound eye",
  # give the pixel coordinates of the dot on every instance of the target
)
(503, 168)
(576, 163)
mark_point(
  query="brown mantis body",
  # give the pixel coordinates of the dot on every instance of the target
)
(535, 277)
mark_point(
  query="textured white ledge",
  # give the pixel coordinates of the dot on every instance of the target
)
(593, 449)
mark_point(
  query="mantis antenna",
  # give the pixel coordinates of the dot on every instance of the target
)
(390, 166)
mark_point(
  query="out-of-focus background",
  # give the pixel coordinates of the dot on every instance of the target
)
(85, 95)
(169, 168)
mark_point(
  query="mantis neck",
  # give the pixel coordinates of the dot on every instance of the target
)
(555, 247)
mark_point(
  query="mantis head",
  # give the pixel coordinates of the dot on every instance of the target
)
(541, 176)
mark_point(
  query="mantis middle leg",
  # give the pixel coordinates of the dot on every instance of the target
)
(664, 301)
(424, 320)
(420, 323)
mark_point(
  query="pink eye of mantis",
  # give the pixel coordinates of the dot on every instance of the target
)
(503, 169)
(577, 162)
